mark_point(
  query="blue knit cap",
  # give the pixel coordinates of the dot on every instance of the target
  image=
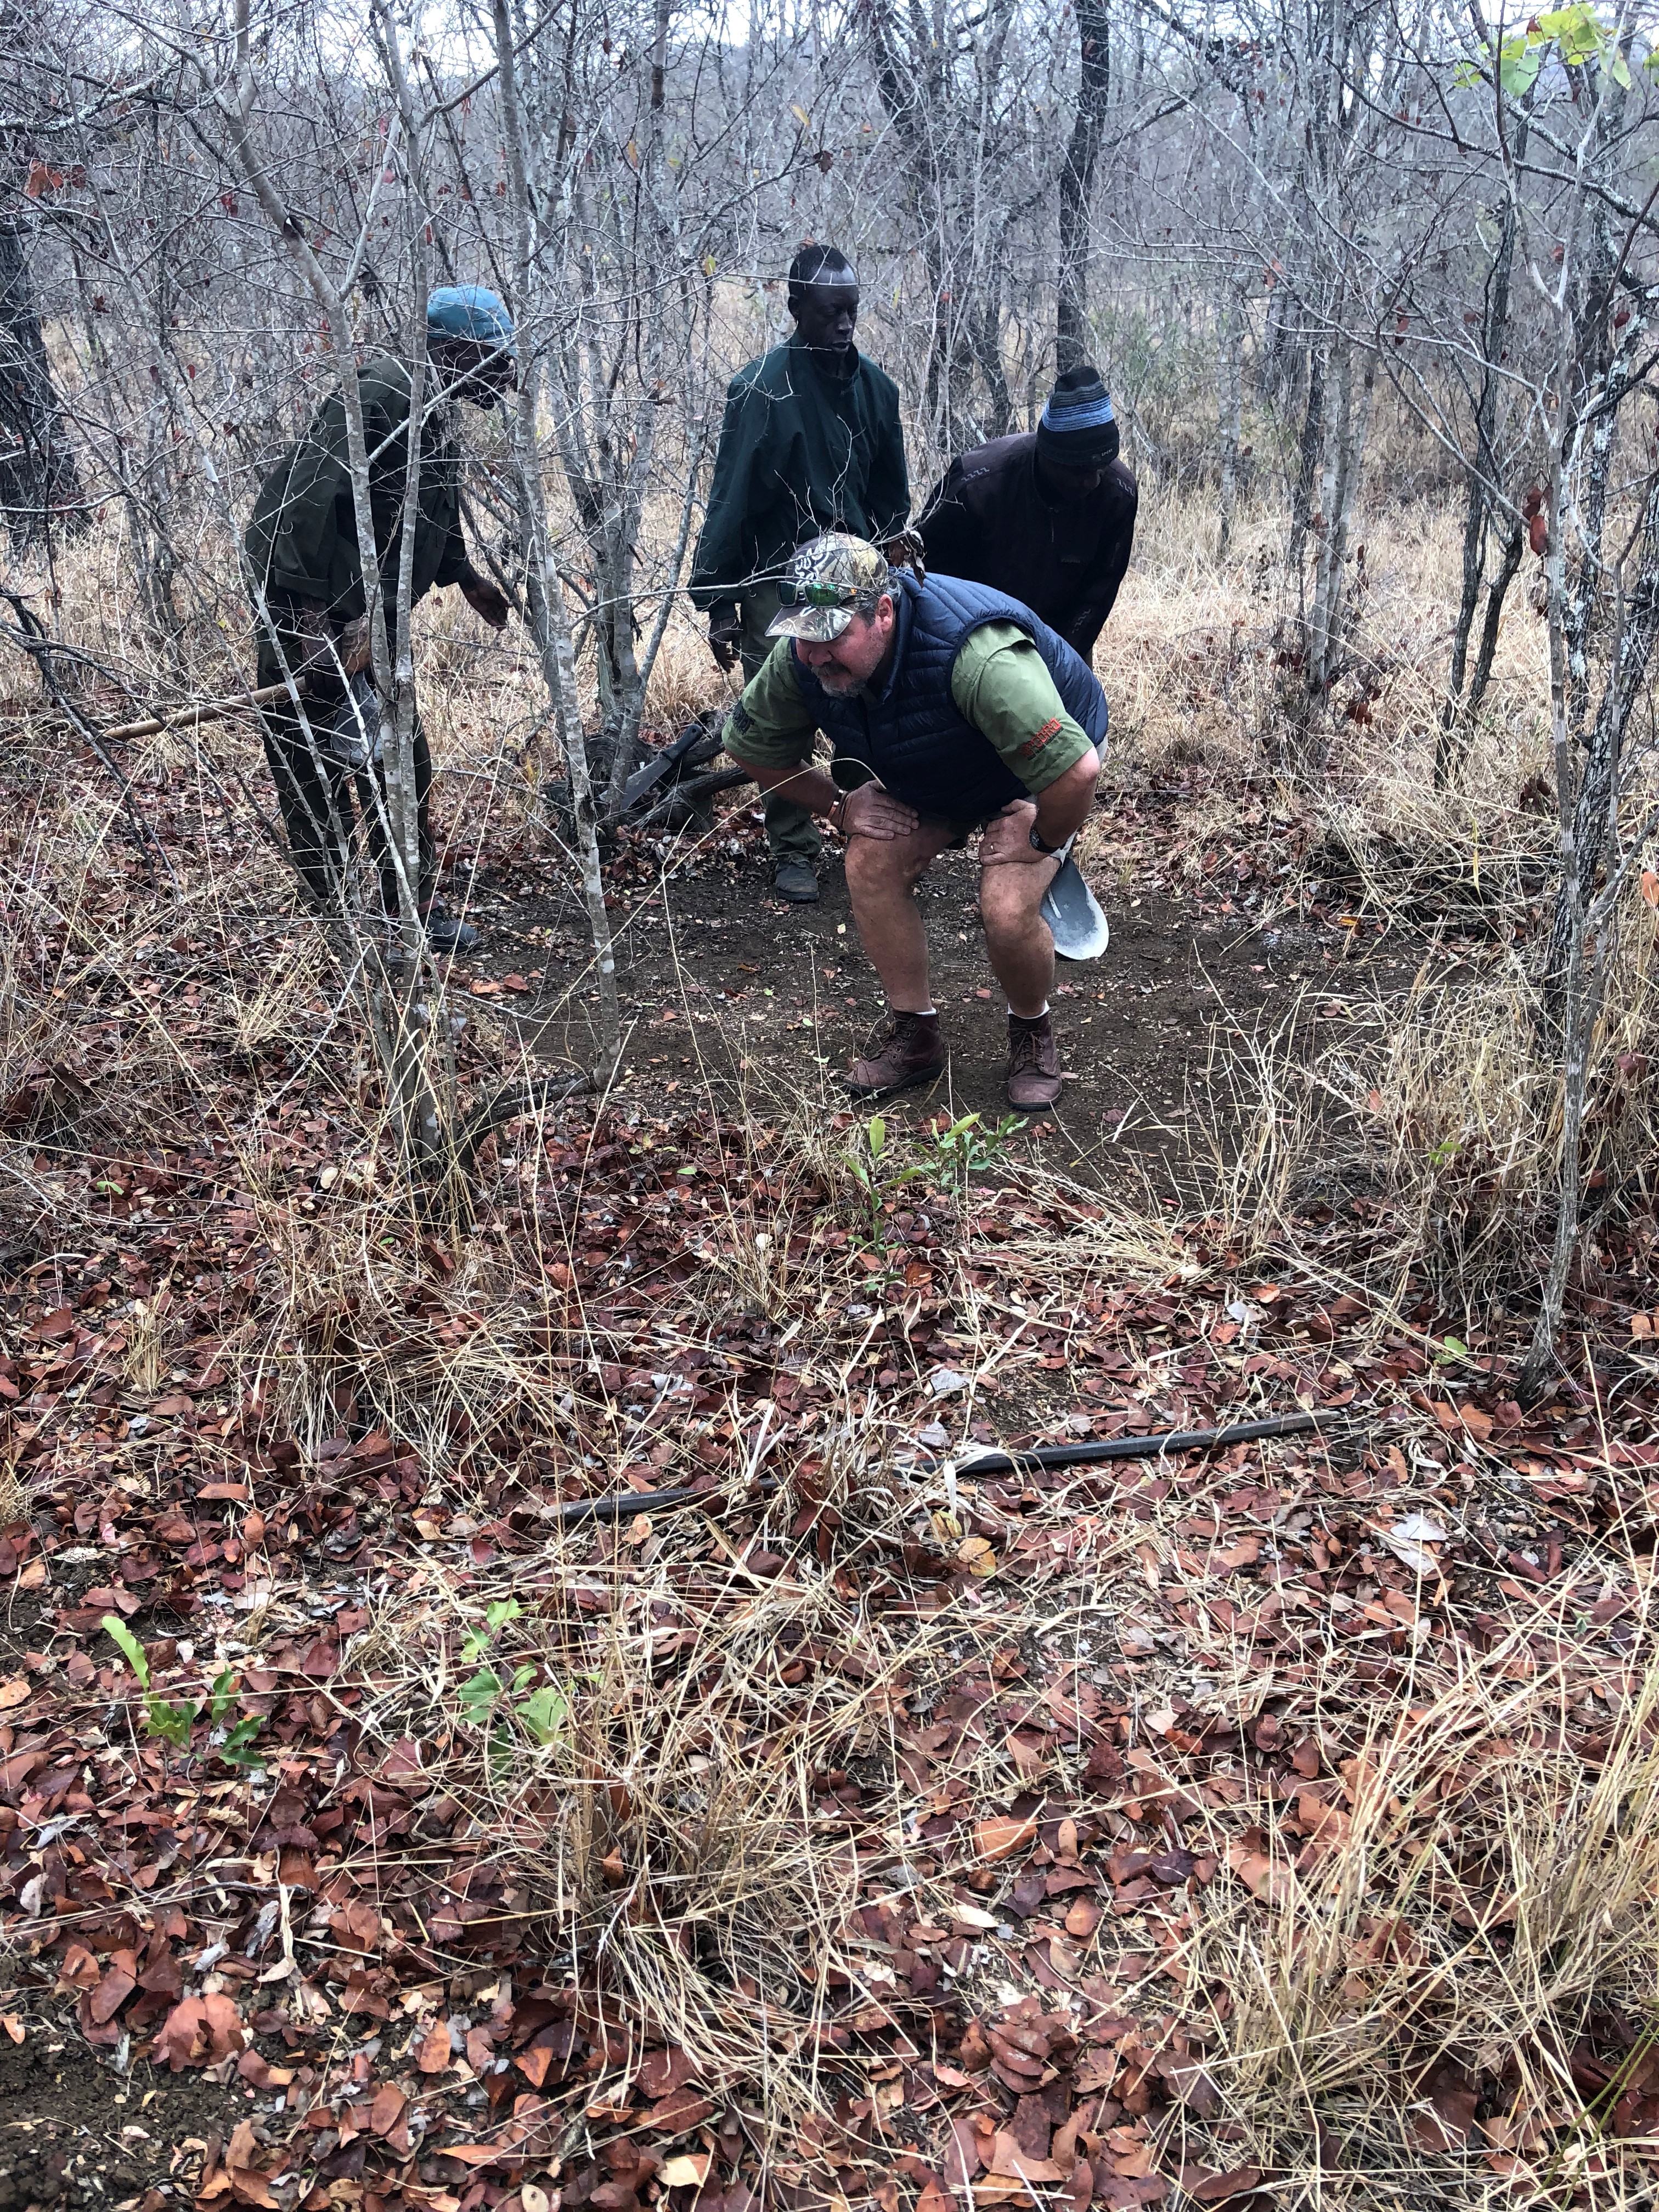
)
(1077, 429)
(470, 311)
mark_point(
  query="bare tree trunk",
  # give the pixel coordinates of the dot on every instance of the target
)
(1594, 812)
(1497, 592)
(38, 475)
(1483, 492)
(546, 594)
(1310, 445)
(1230, 411)
(1571, 901)
(1345, 447)
(1077, 183)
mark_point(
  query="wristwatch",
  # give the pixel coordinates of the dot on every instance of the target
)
(1037, 845)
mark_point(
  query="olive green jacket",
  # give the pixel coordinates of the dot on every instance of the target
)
(802, 451)
(302, 540)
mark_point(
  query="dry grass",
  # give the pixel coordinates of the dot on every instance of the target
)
(1192, 662)
(1469, 1900)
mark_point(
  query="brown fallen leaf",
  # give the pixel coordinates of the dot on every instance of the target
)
(1001, 1837)
(962, 2156)
(1008, 2159)
(387, 2108)
(432, 2053)
(1450, 2122)
(686, 2170)
(111, 1994)
(660, 2071)
(1208, 2187)
(1079, 2190)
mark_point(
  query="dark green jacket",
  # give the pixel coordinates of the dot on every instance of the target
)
(801, 451)
(302, 539)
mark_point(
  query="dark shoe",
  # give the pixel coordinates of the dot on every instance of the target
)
(796, 881)
(1033, 1062)
(914, 1053)
(444, 934)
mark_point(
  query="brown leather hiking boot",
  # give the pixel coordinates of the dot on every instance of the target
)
(913, 1052)
(1033, 1062)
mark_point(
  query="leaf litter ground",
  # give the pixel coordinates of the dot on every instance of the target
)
(1182, 1830)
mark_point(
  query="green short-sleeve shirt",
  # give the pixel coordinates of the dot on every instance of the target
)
(999, 682)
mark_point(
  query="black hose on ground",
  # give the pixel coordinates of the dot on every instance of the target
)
(623, 1507)
(1172, 1440)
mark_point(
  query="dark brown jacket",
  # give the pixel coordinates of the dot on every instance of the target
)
(990, 522)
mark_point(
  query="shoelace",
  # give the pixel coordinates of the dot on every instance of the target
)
(1025, 1050)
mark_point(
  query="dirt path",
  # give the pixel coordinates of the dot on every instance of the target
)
(716, 973)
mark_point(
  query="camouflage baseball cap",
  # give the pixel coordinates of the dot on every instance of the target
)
(830, 580)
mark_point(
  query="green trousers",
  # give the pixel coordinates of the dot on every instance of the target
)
(791, 831)
(316, 791)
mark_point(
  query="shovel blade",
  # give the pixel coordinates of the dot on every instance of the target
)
(1072, 912)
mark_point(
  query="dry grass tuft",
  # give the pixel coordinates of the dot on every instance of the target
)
(1377, 1992)
(1452, 1118)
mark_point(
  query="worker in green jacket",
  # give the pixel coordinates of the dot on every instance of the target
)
(810, 443)
(309, 601)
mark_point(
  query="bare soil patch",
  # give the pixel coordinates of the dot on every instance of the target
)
(75, 2133)
(717, 974)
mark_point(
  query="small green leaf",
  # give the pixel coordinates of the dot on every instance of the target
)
(479, 1696)
(543, 1716)
(1518, 76)
(172, 1723)
(237, 1749)
(500, 1610)
(877, 1136)
(118, 1631)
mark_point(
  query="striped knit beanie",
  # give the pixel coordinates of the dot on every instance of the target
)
(1078, 430)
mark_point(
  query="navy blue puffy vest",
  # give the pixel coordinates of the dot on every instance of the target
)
(924, 750)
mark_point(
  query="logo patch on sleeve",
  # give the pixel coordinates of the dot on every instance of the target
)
(1034, 744)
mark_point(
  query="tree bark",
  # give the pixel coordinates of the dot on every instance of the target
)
(1077, 183)
(1483, 492)
(545, 592)
(39, 477)
(1230, 411)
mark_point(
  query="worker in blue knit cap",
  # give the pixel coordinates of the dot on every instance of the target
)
(310, 604)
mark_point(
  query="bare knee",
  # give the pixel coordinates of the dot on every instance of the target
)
(878, 867)
(1007, 909)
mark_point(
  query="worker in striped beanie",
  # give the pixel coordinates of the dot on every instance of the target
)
(1077, 433)
(1047, 516)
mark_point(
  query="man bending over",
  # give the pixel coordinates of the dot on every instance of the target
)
(966, 713)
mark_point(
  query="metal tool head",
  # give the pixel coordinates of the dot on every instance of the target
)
(1072, 912)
